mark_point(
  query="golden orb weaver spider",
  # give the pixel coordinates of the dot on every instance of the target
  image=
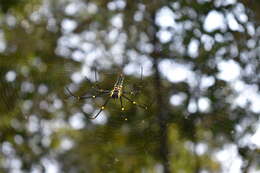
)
(116, 92)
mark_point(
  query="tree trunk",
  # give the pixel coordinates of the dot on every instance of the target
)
(160, 102)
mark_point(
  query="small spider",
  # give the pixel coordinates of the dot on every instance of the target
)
(116, 92)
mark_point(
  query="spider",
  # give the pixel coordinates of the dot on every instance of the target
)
(116, 92)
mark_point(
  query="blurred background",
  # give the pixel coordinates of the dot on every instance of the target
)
(200, 81)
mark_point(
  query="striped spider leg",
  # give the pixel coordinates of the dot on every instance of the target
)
(137, 87)
(98, 91)
(136, 90)
(134, 102)
(99, 94)
(100, 110)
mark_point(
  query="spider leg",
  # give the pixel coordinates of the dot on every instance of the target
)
(96, 86)
(141, 73)
(95, 75)
(84, 97)
(137, 86)
(130, 92)
(121, 103)
(100, 110)
(134, 102)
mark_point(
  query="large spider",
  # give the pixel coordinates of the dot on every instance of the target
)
(116, 92)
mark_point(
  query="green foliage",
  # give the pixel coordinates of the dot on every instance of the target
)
(44, 47)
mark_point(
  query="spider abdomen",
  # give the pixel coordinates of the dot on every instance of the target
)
(115, 93)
